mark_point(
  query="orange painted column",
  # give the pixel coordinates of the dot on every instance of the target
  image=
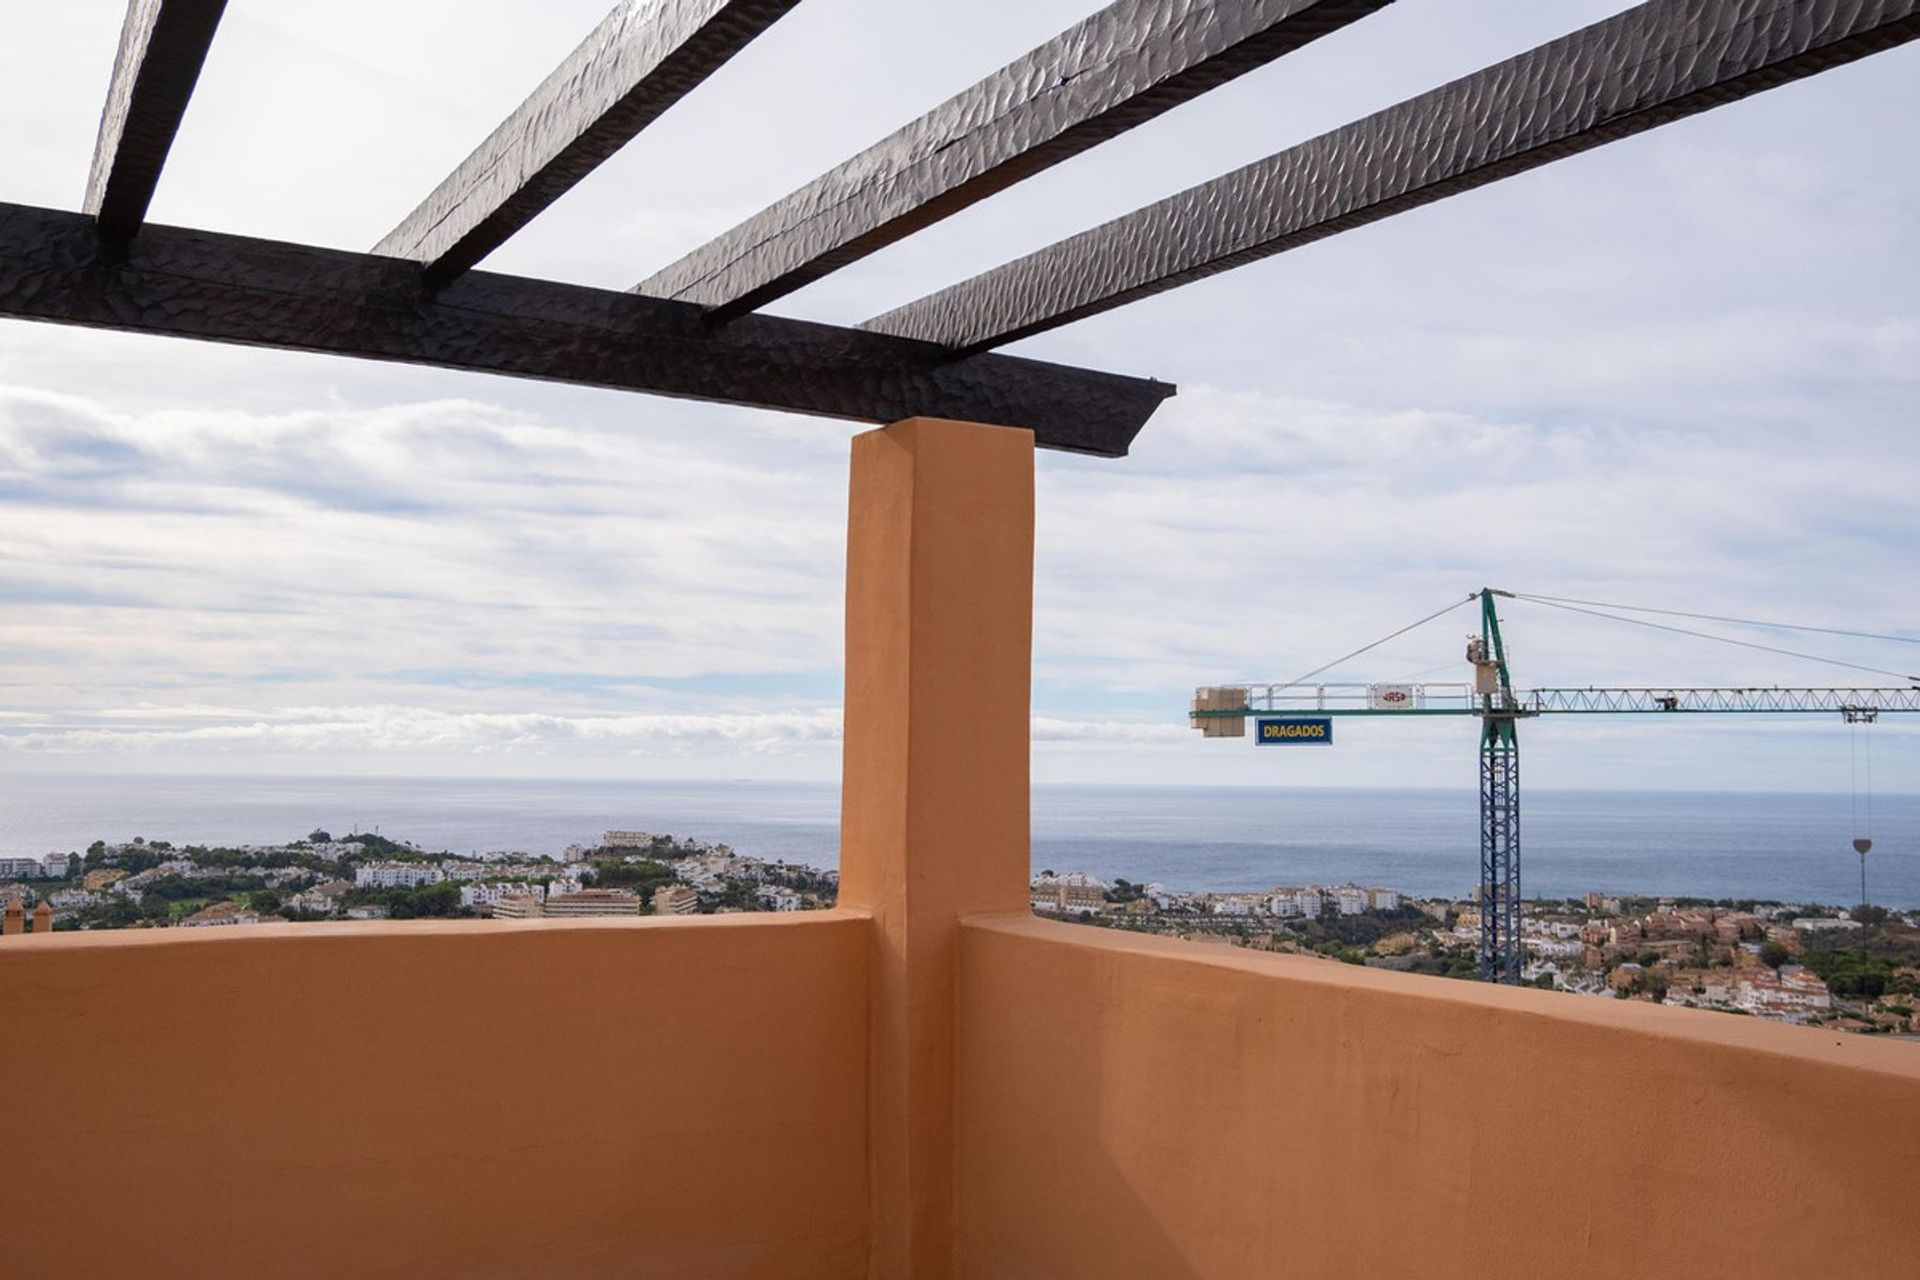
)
(933, 820)
(15, 918)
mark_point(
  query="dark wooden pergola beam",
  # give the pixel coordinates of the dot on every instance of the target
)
(1653, 64)
(55, 266)
(640, 60)
(1101, 77)
(163, 45)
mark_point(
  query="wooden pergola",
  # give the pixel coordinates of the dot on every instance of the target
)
(694, 329)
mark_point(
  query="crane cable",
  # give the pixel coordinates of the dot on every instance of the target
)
(1555, 603)
(1383, 639)
(1856, 756)
(1862, 840)
(1718, 617)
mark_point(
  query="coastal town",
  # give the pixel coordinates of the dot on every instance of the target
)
(1854, 970)
(1802, 963)
(154, 884)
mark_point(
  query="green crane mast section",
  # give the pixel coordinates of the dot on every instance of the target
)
(1222, 711)
(1502, 951)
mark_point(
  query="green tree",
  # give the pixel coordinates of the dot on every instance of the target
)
(117, 912)
(1773, 953)
(433, 900)
(645, 875)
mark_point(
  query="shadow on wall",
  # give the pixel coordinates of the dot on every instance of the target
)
(1142, 1106)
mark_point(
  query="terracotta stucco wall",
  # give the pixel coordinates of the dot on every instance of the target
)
(1143, 1107)
(489, 1099)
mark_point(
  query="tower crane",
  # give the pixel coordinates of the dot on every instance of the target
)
(1299, 713)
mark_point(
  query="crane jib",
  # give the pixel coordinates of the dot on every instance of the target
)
(1224, 702)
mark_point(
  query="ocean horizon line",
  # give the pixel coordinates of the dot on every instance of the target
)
(591, 779)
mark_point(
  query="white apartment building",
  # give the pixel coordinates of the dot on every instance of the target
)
(22, 868)
(1287, 903)
(1161, 896)
(1383, 899)
(716, 867)
(500, 855)
(396, 875)
(675, 900)
(1820, 924)
(777, 898)
(1074, 891)
(485, 897)
(1349, 900)
(1793, 994)
(221, 913)
(321, 900)
(593, 902)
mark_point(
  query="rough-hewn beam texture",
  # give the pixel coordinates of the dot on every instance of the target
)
(163, 45)
(1119, 68)
(1656, 63)
(645, 56)
(54, 266)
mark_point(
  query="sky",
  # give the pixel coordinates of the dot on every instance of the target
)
(1678, 372)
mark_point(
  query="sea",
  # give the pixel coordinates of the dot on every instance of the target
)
(1775, 846)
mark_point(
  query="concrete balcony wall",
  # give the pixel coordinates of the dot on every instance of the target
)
(679, 1098)
(1145, 1107)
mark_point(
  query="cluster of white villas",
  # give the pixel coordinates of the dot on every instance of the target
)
(1076, 891)
(52, 867)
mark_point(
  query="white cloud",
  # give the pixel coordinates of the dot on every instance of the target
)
(416, 729)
